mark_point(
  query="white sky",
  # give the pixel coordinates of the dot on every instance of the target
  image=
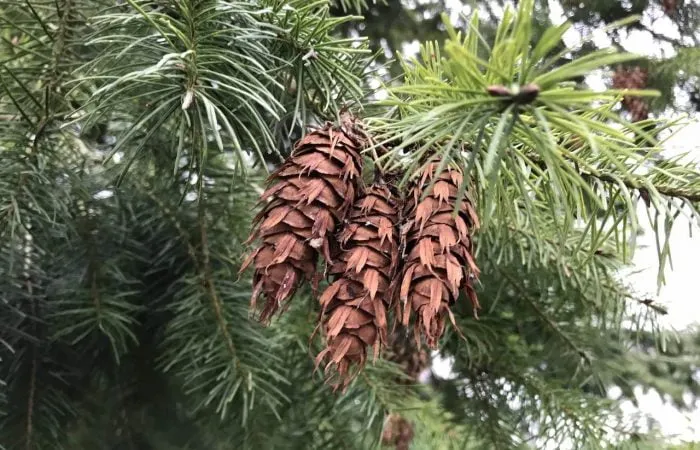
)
(680, 292)
(679, 295)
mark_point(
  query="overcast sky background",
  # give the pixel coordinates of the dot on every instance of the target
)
(680, 294)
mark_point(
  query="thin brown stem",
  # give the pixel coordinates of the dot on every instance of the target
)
(32, 377)
(631, 183)
(209, 284)
(30, 401)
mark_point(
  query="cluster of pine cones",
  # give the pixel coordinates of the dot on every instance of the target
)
(389, 258)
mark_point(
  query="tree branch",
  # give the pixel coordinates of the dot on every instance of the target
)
(209, 285)
(631, 183)
(32, 377)
(31, 396)
(659, 36)
(582, 353)
(203, 267)
(59, 42)
(668, 191)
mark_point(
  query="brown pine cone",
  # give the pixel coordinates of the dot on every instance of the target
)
(354, 307)
(440, 252)
(311, 194)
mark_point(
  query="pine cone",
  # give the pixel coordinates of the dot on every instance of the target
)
(670, 7)
(398, 432)
(354, 307)
(312, 193)
(440, 250)
(412, 356)
(635, 78)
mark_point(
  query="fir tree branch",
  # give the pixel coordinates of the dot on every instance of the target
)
(651, 304)
(32, 377)
(238, 58)
(172, 218)
(692, 195)
(660, 36)
(235, 369)
(59, 44)
(30, 400)
(668, 191)
(558, 331)
(209, 284)
(648, 303)
(95, 292)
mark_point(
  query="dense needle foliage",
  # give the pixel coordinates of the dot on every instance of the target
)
(134, 139)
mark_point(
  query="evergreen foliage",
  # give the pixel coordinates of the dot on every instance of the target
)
(135, 136)
(671, 26)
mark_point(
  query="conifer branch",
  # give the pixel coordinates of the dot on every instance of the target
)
(631, 181)
(30, 400)
(245, 77)
(211, 301)
(209, 285)
(95, 292)
(660, 36)
(548, 320)
(172, 218)
(33, 373)
(57, 51)
(692, 195)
